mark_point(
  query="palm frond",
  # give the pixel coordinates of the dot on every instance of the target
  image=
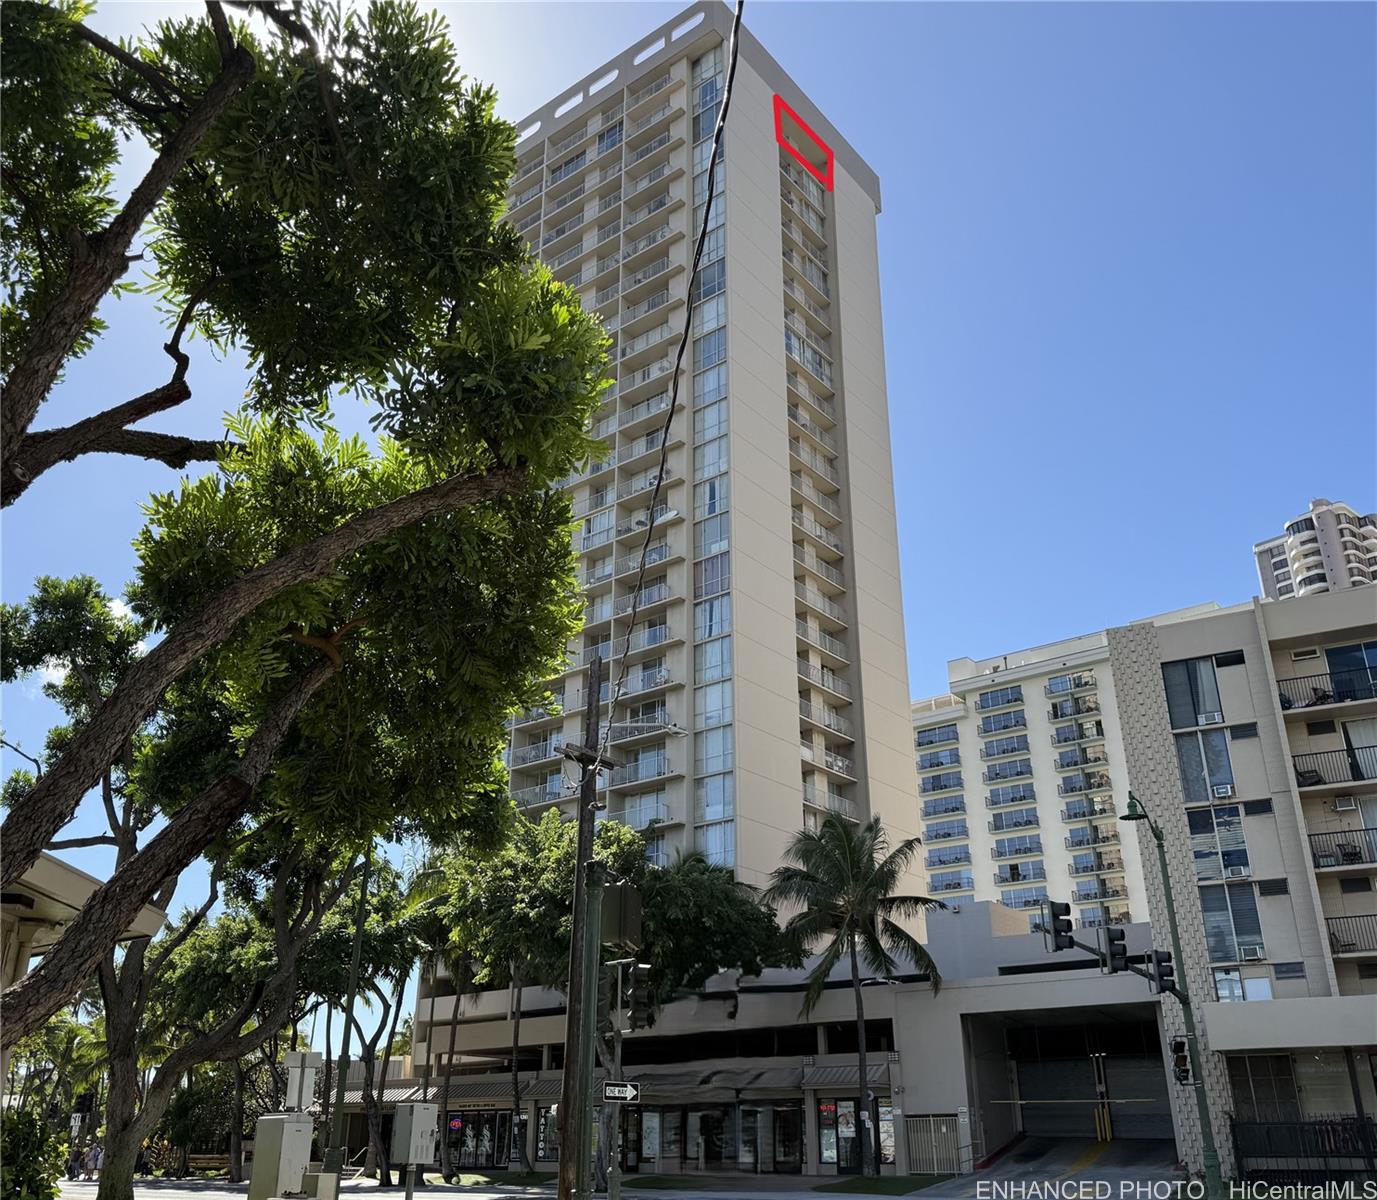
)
(817, 977)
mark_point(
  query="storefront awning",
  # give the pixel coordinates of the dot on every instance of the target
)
(843, 1077)
(396, 1094)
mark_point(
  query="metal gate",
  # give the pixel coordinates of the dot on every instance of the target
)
(934, 1145)
(1101, 1096)
(1057, 1098)
(1141, 1083)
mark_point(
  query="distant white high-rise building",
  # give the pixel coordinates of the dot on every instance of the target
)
(1327, 548)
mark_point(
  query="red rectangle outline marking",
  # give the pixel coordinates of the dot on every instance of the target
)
(824, 175)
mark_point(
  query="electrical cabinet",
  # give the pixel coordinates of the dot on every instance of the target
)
(413, 1133)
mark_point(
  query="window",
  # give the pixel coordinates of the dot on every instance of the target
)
(709, 316)
(1009, 770)
(1304, 525)
(948, 856)
(717, 843)
(712, 660)
(1257, 808)
(1203, 758)
(1291, 970)
(710, 421)
(713, 750)
(710, 458)
(1320, 728)
(951, 881)
(710, 536)
(710, 385)
(1264, 1087)
(1230, 658)
(712, 618)
(714, 797)
(1231, 921)
(1014, 818)
(1023, 844)
(1192, 692)
(1228, 985)
(1025, 897)
(1351, 887)
(1011, 794)
(1217, 843)
(1238, 733)
(949, 757)
(938, 783)
(1273, 887)
(998, 722)
(1353, 670)
(945, 830)
(709, 350)
(1367, 970)
(711, 496)
(712, 704)
(1006, 745)
(711, 576)
(999, 697)
(935, 736)
(712, 278)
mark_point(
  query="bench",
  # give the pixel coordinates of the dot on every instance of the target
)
(207, 1162)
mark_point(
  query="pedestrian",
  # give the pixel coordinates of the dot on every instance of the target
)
(88, 1163)
(141, 1162)
(73, 1164)
(98, 1156)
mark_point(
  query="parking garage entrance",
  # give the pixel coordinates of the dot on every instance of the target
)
(1094, 1074)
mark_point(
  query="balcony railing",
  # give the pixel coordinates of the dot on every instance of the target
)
(1033, 847)
(654, 768)
(1348, 935)
(657, 552)
(640, 815)
(943, 807)
(522, 755)
(1068, 685)
(1088, 841)
(809, 526)
(1065, 710)
(1026, 875)
(949, 858)
(1099, 866)
(816, 600)
(952, 885)
(1002, 772)
(1344, 848)
(1336, 766)
(649, 595)
(1004, 801)
(1086, 812)
(819, 798)
(810, 560)
(540, 794)
(824, 641)
(823, 677)
(1334, 687)
(1029, 822)
(1088, 783)
(824, 716)
(658, 84)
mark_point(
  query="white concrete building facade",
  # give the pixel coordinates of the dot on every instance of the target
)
(765, 680)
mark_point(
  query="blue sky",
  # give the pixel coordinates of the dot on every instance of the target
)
(1130, 287)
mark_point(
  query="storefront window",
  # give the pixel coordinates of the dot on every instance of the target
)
(886, 1132)
(650, 1136)
(827, 1131)
(547, 1143)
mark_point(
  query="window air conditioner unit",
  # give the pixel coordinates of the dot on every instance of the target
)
(1250, 953)
(1222, 791)
(1345, 804)
(1238, 873)
(1210, 718)
(1302, 655)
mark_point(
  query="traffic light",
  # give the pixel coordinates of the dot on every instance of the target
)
(640, 998)
(607, 1002)
(1112, 949)
(1180, 1061)
(1056, 925)
(1163, 972)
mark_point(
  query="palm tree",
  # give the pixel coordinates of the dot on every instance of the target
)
(841, 878)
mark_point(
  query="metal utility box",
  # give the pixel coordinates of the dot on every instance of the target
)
(302, 1066)
(281, 1154)
(414, 1132)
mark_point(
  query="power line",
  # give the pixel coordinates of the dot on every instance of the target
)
(719, 130)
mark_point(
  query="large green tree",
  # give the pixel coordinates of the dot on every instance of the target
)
(842, 879)
(325, 195)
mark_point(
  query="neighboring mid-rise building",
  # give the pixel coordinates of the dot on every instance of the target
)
(766, 682)
(1251, 736)
(1330, 547)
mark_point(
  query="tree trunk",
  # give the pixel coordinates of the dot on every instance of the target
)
(36, 817)
(113, 906)
(518, 1134)
(444, 1085)
(870, 1163)
(384, 1178)
(122, 1138)
(329, 1062)
(236, 1138)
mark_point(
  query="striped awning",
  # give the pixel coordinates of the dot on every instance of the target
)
(396, 1093)
(842, 1076)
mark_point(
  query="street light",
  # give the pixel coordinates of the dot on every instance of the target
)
(1214, 1182)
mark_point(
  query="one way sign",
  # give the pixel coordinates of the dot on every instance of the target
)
(618, 1091)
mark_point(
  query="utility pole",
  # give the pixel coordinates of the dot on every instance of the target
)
(334, 1151)
(575, 1134)
(1214, 1180)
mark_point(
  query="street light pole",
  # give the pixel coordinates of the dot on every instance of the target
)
(335, 1151)
(1214, 1180)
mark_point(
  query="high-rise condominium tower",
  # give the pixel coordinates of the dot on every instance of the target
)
(765, 682)
(1330, 547)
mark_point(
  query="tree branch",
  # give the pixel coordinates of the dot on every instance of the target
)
(189, 927)
(113, 906)
(101, 258)
(38, 815)
(101, 839)
(160, 83)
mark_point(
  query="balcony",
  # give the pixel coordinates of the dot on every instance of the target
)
(525, 755)
(1330, 767)
(823, 641)
(812, 428)
(540, 712)
(639, 772)
(1354, 849)
(828, 408)
(1020, 747)
(1029, 822)
(1120, 917)
(831, 801)
(647, 272)
(647, 638)
(952, 885)
(1069, 685)
(638, 816)
(820, 714)
(815, 529)
(944, 807)
(1090, 895)
(999, 723)
(818, 566)
(1066, 710)
(653, 88)
(999, 774)
(819, 464)
(1033, 847)
(639, 522)
(1079, 786)
(956, 857)
(1086, 811)
(820, 603)
(529, 797)
(1320, 691)
(1101, 866)
(1015, 876)
(656, 553)
(824, 677)
(1069, 760)
(1002, 698)
(657, 593)
(1075, 735)
(1089, 840)
(646, 681)
(650, 443)
(1028, 797)
(1353, 935)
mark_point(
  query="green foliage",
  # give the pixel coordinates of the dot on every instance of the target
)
(31, 1156)
(842, 877)
(453, 622)
(58, 142)
(516, 907)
